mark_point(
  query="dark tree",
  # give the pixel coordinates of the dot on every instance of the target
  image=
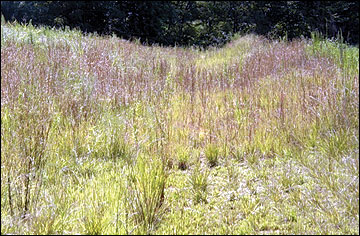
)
(201, 23)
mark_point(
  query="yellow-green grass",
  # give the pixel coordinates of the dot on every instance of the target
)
(104, 136)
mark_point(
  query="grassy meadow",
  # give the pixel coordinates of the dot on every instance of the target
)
(101, 135)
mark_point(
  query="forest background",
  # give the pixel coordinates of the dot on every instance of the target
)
(193, 23)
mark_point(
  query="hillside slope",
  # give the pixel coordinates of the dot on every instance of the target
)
(106, 136)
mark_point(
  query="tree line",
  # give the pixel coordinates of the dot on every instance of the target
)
(199, 23)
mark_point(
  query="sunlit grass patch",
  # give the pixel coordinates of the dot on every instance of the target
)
(346, 57)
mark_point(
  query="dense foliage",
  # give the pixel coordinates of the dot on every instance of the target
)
(201, 23)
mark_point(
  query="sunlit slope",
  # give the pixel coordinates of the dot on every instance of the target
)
(101, 135)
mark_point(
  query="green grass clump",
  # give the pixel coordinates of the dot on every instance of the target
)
(199, 183)
(212, 154)
(183, 158)
(146, 192)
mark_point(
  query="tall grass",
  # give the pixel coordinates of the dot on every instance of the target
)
(146, 192)
(105, 136)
